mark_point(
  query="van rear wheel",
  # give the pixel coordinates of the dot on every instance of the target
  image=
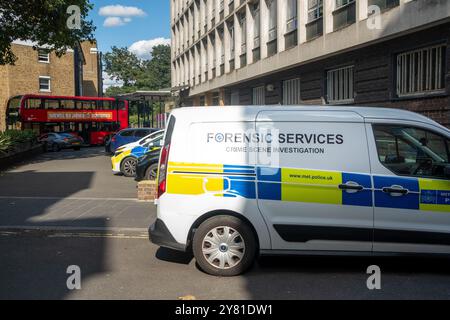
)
(224, 246)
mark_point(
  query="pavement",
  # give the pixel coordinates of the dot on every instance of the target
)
(65, 209)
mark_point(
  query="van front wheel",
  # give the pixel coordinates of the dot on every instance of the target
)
(224, 246)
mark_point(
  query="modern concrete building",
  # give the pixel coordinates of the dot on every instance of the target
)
(367, 52)
(38, 71)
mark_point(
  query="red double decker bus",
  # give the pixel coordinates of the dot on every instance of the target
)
(89, 117)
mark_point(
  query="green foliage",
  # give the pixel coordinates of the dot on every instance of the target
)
(6, 144)
(11, 138)
(123, 65)
(43, 22)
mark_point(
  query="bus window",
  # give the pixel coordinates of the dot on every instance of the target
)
(12, 114)
(33, 104)
(121, 105)
(51, 104)
(104, 105)
(67, 104)
(88, 105)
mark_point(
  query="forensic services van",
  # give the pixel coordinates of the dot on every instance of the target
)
(235, 182)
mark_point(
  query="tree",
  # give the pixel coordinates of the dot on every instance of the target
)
(136, 74)
(123, 65)
(157, 70)
(44, 22)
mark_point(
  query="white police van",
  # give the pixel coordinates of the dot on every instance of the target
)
(235, 182)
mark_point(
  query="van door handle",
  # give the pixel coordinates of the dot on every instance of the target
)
(396, 191)
(351, 187)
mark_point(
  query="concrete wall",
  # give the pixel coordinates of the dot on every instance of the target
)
(374, 78)
(406, 18)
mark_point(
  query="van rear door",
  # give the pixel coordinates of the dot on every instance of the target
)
(313, 178)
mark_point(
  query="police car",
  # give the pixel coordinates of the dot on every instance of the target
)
(236, 182)
(125, 158)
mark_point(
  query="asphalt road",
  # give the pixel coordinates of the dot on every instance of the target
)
(67, 209)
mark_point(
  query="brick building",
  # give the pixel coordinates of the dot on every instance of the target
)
(390, 53)
(78, 72)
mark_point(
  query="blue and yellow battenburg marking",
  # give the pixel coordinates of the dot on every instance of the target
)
(136, 152)
(307, 186)
(312, 186)
(218, 180)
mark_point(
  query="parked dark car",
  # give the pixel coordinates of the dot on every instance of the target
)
(147, 166)
(57, 141)
(126, 136)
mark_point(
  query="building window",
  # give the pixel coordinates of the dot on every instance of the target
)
(291, 24)
(256, 32)
(243, 25)
(314, 27)
(291, 18)
(273, 33)
(384, 4)
(345, 14)
(259, 96)
(232, 40)
(421, 71)
(291, 92)
(257, 25)
(43, 56)
(340, 88)
(222, 51)
(44, 84)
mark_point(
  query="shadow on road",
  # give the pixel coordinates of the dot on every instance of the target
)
(44, 184)
(68, 154)
(33, 263)
(173, 256)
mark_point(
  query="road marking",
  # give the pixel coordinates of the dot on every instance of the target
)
(71, 229)
(96, 235)
(74, 232)
(71, 198)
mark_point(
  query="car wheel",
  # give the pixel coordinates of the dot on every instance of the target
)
(224, 246)
(55, 147)
(151, 172)
(128, 167)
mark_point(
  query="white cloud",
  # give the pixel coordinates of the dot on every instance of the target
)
(108, 82)
(114, 22)
(121, 11)
(143, 49)
(118, 15)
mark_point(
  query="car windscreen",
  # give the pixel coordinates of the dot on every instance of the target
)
(150, 137)
(156, 142)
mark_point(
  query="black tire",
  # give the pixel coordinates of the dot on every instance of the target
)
(55, 147)
(246, 236)
(77, 148)
(128, 167)
(151, 172)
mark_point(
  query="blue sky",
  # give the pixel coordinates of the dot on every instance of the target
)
(131, 23)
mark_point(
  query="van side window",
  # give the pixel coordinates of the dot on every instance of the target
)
(410, 151)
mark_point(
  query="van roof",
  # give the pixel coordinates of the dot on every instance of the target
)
(249, 113)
